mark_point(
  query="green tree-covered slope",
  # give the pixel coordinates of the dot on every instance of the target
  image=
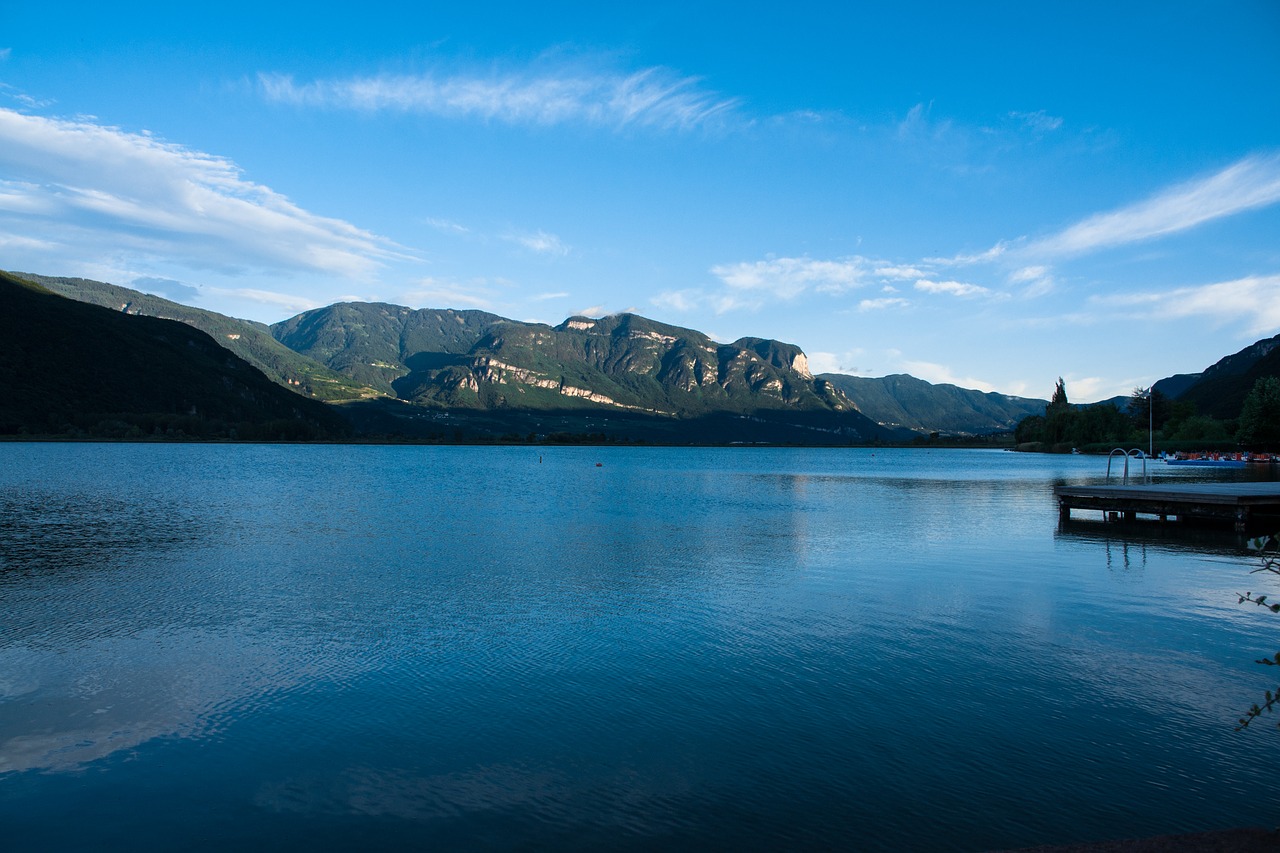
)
(1221, 389)
(904, 401)
(70, 368)
(470, 360)
(373, 343)
(251, 341)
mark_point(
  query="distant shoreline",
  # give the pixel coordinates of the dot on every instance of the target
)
(417, 442)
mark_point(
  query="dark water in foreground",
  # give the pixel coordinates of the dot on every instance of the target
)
(213, 646)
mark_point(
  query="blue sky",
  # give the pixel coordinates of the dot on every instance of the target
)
(990, 194)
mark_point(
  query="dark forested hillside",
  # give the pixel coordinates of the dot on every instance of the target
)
(251, 341)
(70, 368)
(1221, 389)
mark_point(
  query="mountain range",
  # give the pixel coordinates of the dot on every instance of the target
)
(447, 373)
(903, 401)
(1219, 390)
(621, 372)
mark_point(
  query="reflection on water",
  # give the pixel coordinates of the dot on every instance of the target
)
(474, 648)
(47, 531)
(1167, 537)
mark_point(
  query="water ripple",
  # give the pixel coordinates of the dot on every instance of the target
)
(471, 648)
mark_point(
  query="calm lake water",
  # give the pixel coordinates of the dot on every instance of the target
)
(207, 646)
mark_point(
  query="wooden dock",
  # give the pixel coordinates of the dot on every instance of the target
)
(1243, 504)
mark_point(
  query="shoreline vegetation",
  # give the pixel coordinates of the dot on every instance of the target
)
(553, 440)
(1155, 423)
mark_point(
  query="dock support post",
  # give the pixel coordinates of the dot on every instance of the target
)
(1064, 511)
(1242, 519)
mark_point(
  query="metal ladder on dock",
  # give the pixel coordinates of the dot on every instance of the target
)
(1135, 453)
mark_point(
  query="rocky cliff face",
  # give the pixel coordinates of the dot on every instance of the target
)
(372, 342)
(623, 362)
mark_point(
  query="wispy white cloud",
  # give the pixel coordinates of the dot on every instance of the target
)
(290, 301)
(17, 241)
(904, 272)
(80, 184)
(442, 293)
(940, 374)
(1035, 280)
(787, 278)
(24, 99)
(882, 303)
(831, 362)
(653, 97)
(753, 284)
(591, 311)
(967, 259)
(543, 297)
(1026, 274)
(167, 287)
(1254, 300)
(1094, 387)
(722, 303)
(448, 226)
(1038, 121)
(954, 288)
(682, 301)
(5, 53)
(25, 198)
(919, 123)
(1248, 184)
(541, 243)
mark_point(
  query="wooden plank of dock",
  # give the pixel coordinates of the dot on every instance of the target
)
(1239, 503)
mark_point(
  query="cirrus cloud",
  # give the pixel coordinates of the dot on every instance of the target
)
(1255, 300)
(1038, 121)
(1247, 184)
(652, 97)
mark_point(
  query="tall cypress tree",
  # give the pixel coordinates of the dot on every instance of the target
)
(1058, 403)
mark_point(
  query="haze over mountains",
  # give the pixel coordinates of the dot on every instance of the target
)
(433, 372)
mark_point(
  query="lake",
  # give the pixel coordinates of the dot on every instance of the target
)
(209, 646)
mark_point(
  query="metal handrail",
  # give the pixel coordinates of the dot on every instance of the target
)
(1135, 453)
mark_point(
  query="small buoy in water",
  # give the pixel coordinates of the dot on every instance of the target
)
(599, 464)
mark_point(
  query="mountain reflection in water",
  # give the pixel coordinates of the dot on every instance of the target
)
(464, 647)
